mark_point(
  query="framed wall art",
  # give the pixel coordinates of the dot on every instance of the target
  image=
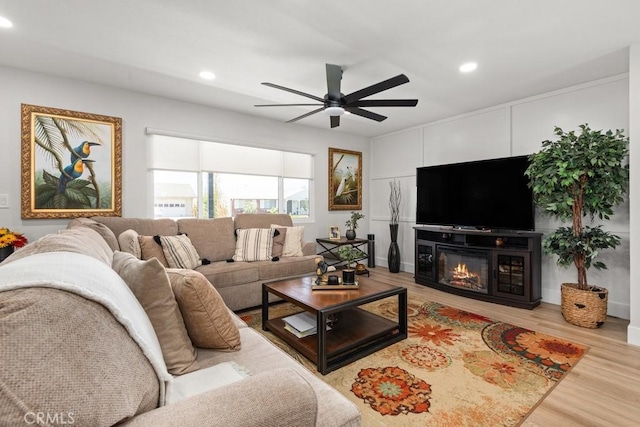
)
(71, 164)
(345, 179)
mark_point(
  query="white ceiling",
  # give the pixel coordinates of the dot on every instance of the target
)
(523, 48)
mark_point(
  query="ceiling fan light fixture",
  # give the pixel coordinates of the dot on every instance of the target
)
(207, 75)
(468, 67)
(334, 111)
(5, 23)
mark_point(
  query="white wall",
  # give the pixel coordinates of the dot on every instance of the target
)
(633, 332)
(515, 128)
(139, 111)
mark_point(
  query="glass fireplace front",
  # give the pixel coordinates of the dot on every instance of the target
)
(463, 268)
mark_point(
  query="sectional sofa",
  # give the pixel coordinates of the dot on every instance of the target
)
(95, 336)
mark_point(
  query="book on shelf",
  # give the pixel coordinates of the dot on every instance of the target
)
(301, 324)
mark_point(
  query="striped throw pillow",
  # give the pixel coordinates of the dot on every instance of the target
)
(180, 252)
(254, 244)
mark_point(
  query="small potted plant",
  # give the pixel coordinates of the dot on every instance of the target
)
(352, 224)
(580, 175)
(349, 254)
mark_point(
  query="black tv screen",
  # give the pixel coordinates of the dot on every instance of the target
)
(486, 194)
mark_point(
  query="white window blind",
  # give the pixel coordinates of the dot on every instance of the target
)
(193, 155)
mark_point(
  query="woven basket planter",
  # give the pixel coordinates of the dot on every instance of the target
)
(585, 308)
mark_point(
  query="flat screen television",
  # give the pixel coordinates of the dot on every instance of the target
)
(486, 194)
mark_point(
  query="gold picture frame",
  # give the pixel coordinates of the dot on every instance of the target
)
(71, 163)
(334, 232)
(345, 180)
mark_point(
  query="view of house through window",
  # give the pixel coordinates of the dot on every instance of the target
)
(244, 182)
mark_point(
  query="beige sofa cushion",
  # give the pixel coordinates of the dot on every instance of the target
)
(61, 353)
(214, 239)
(262, 220)
(150, 284)
(128, 241)
(81, 240)
(292, 240)
(205, 315)
(149, 248)
(223, 274)
(278, 242)
(144, 226)
(102, 229)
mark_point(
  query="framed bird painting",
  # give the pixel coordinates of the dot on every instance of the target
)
(345, 180)
(71, 164)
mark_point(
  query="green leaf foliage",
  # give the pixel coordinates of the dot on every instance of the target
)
(578, 175)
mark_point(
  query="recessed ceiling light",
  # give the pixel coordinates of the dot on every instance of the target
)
(207, 75)
(468, 67)
(5, 23)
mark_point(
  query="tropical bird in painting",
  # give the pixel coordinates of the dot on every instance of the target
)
(343, 181)
(71, 172)
(82, 151)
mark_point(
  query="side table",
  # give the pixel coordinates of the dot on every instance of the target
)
(331, 246)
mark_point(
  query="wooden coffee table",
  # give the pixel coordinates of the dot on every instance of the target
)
(355, 334)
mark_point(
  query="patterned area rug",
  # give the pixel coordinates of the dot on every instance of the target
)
(455, 369)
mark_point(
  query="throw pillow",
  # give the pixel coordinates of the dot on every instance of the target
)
(104, 231)
(292, 240)
(150, 284)
(129, 243)
(205, 314)
(278, 242)
(149, 248)
(254, 244)
(180, 252)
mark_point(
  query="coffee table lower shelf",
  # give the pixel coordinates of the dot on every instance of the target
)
(356, 334)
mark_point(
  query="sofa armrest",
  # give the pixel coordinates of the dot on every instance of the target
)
(309, 248)
(279, 397)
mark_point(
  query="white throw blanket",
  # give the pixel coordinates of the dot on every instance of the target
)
(93, 280)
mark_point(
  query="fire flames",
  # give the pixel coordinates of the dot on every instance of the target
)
(461, 272)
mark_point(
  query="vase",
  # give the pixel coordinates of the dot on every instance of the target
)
(393, 258)
(5, 252)
(350, 234)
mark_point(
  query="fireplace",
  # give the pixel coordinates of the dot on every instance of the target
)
(463, 268)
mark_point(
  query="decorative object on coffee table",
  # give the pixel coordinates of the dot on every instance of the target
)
(9, 240)
(349, 254)
(352, 225)
(395, 197)
(575, 176)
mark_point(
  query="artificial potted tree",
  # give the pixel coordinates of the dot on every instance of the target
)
(349, 254)
(576, 176)
(352, 225)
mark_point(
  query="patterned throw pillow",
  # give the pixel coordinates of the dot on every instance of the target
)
(179, 251)
(254, 244)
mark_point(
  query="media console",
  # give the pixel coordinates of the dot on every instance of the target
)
(496, 266)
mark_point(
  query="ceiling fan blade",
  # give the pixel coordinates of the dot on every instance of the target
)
(335, 121)
(297, 92)
(334, 76)
(368, 114)
(287, 105)
(376, 88)
(305, 115)
(384, 103)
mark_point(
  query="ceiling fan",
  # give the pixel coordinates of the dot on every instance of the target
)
(335, 103)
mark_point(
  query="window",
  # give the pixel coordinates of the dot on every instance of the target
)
(210, 179)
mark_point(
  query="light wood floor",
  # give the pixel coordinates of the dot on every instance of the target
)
(602, 390)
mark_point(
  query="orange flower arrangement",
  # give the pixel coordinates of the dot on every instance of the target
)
(11, 238)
